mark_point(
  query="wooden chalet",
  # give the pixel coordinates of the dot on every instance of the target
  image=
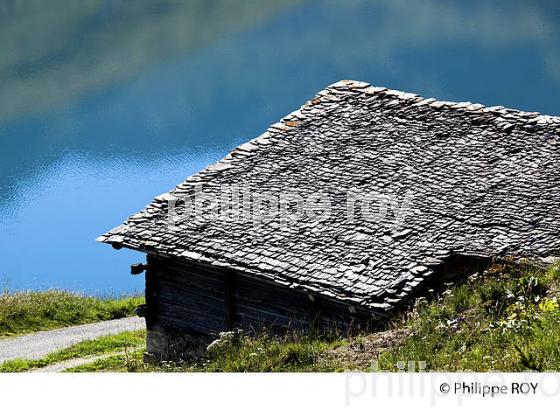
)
(468, 183)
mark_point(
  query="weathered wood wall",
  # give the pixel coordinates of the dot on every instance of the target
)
(188, 301)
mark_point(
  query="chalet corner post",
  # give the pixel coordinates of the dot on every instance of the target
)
(151, 291)
(230, 279)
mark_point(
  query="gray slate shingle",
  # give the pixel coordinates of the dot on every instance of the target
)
(483, 181)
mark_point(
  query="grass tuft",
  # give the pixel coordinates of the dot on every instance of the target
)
(25, 312)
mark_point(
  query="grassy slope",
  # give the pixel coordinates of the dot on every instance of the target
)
(507, 319)
(25, 312)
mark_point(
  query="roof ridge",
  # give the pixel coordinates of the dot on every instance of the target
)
(529, 117)
(504, 118)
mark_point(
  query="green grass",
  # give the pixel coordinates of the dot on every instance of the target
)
(265, 353)
(505, 320)
(291, 353)
(25, 312)
(102, 345)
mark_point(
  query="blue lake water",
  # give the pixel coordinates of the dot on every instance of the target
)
(104, 105)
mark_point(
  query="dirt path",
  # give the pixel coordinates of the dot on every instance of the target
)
(79, 361)
(37, 345)
(359, 354)
(68, 364)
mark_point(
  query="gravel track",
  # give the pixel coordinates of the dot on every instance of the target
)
(37, 345)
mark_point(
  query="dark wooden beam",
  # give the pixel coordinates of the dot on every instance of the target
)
(314, 313)
(137, 268)
(141, 310)
(229, 281)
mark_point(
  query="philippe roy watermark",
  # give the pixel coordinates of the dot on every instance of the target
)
(245, 203)
(413, 380)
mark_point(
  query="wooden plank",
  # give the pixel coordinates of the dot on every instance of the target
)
(210, 299)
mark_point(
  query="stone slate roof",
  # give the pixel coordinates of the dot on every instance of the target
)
(484, 181)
